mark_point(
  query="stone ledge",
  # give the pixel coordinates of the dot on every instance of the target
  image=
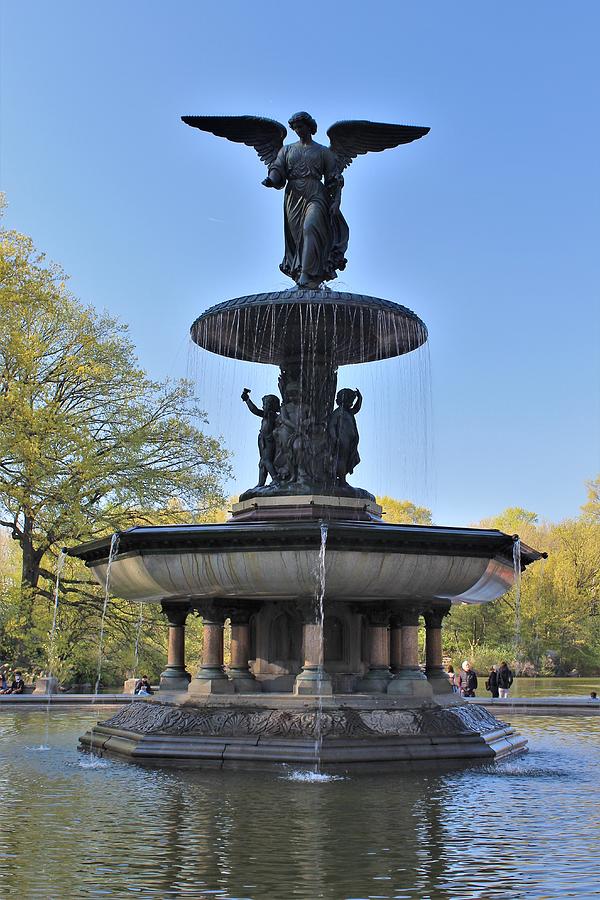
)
(301, 501)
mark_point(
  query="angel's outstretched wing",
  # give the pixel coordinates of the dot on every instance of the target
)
(354, 137)
(265, 135)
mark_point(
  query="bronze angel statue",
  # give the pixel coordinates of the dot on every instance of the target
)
(316, 233)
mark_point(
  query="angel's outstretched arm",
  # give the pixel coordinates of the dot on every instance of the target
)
(277, 176)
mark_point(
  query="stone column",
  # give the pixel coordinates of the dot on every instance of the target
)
(395, 643)
(239, 672)
(313, 679)
(434, 668)
(378, 642)
(410, 681)
(211, 677)
(175, 677)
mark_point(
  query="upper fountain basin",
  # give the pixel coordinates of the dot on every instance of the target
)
(365, 562)
(287, 326)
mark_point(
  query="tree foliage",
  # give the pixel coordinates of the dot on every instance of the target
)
(403, 512)
(89, 443)
(558, 627)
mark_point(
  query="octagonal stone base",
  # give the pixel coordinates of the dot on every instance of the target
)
(335, 733)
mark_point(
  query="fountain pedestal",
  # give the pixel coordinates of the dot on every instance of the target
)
(46, 684)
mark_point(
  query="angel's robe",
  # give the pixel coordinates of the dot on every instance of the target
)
(315, 238)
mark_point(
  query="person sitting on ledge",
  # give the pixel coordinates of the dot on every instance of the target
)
(142, 687)
(17, 687)
(593, 695)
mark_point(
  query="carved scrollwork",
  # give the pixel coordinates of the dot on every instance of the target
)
(155, 718)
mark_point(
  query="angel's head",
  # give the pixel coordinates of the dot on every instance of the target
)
(302, 120)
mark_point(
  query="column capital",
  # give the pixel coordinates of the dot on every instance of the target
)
(240, 613)
(210, 612)
(435, 615)
(175, 613)
(406, 615)
(377, 616)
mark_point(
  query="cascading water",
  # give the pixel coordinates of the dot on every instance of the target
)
(59, 569)
(136, 650)
(517, 573)
(114, 549)
(52, 648)
(320, 615)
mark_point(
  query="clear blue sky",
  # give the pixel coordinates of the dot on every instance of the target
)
(487, 228)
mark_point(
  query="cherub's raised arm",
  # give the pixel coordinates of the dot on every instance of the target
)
(357, 403)
(251, 406)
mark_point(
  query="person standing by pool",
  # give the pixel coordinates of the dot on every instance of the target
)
(469, 679)
(505, 679)
(454, 679)
(491, 684)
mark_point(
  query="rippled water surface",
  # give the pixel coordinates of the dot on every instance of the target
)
(77, 826)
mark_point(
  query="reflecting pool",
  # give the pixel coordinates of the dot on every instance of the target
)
(76, 826)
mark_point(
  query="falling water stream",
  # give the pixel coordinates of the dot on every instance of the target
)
(114, 549)
(60, 564)
(320, 612)
(59, 569)
(136, 651)
(353, 336)
(517, 573)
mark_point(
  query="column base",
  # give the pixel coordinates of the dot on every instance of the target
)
(313, 681)
(211, 680)
(438, 680)
(174, 679)
(244, 681)
(374, 682)
(410, 683)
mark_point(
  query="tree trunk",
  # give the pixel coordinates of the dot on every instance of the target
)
(30, 570)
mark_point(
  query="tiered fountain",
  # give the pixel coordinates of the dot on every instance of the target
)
(324, 598)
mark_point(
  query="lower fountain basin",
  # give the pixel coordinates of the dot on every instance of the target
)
(339, 733)
(366, 562)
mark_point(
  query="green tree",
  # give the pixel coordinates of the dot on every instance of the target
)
(88, 442)
(591, 510)
(403, 512)
(559, 602)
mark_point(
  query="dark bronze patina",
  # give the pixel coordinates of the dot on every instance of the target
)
(316, 233)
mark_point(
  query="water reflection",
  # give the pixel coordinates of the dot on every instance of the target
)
(79, 827)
